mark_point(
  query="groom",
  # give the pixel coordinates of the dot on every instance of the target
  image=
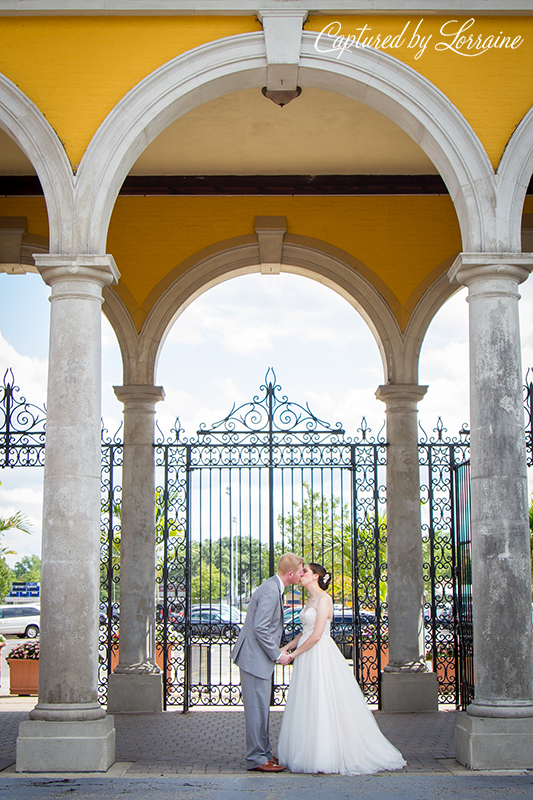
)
(255, 653)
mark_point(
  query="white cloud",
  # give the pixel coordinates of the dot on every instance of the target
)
(253, 313)
(30, 373)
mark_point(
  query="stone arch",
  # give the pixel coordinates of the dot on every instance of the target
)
(301, 255)
(27, 126)
(514, 174)
(239, 62)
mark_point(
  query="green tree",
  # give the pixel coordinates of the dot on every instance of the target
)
(6, 579)
(207, 584)
(19, 522)
(28, 569)
(321, 530)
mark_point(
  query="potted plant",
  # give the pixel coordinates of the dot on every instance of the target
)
(23, 663)
(2, 644)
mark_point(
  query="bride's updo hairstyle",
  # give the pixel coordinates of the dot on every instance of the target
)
(324, 577)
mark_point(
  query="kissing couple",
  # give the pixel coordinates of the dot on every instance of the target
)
(327, 726)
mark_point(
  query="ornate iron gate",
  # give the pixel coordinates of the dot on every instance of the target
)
(463, 583)
(270, 477)
(439, 457)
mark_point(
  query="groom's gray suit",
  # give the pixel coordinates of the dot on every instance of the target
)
(255, 653)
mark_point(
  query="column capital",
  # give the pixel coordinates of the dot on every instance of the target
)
(138, 395)
(469, 268)
(400, 394)
(99, 269)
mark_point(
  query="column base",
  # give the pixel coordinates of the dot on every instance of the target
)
(135, 692)
(87, 746)
(409, 692)
(493, 742)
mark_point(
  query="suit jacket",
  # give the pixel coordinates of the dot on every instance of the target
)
(257, 646)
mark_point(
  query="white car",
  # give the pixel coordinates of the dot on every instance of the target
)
(22, 620)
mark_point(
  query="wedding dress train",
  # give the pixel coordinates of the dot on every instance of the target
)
(327, 725)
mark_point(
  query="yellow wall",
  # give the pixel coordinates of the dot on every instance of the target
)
(77, 68)
(33, 208)
(493, 90)
(400, 239)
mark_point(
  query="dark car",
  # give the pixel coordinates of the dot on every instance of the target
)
(342, 626)
(291, 623)
(211, 622)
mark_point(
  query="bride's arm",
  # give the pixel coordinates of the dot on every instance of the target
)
(291, 645)
(322, 613)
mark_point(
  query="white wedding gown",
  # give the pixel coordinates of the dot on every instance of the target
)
(327, 725)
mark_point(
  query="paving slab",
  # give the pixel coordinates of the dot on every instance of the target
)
(258, 786)
(212, 742)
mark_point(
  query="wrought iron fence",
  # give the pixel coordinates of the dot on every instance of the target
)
(439, 455)
(463, 606)
(22, 427)
(268, 477)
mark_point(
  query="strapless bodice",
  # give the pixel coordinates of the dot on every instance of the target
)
(308, 620)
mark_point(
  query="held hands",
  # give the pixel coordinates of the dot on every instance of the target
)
(284, 658)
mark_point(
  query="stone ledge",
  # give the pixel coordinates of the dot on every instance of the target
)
(493, 743)
(66, 746)
(409, 692)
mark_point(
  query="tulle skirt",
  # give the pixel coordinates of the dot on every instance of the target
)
(327, 725)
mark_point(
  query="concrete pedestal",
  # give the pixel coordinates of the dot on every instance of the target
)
(87, 746)
(135, 692)
(406, 692)
(494, 743)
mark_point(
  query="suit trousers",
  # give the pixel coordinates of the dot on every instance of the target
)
(256, 699)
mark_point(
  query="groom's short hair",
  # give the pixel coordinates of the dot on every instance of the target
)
(289, 562)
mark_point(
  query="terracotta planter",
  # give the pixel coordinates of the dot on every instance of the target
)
(446, 672)
(23, 676)
(370, 669)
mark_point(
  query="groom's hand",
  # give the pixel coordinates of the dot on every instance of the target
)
(284, 659)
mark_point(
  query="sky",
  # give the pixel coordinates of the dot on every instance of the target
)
(218, 353)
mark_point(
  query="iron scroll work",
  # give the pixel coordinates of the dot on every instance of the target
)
(268, 478)
(271, 476)
(22, 427)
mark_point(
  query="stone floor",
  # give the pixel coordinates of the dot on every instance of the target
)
(212, 742)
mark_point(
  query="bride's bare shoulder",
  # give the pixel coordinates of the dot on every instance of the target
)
(325, 601)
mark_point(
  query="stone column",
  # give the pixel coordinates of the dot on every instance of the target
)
(68, 729)
(136, 683)
(496, 732)
(406, 683)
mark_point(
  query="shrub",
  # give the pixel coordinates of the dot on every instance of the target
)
(25, 650)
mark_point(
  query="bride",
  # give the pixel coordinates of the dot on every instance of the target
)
(327, 726)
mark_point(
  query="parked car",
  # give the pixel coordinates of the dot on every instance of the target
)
(210, 621)
(20, 619)
(291, 623)
(342, 626)
(226, 612)
(444, 616)
(103, 613)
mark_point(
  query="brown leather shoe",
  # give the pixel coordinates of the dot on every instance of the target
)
(274, 760)
(268, 766)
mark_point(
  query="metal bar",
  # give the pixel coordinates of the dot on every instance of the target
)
(187, 626)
